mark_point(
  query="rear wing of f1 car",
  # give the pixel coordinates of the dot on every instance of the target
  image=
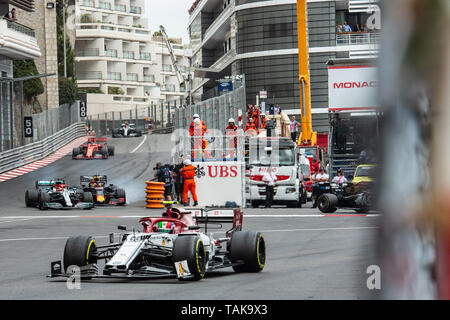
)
(232, 216)
(97, 140)
(98, 178)
(48, 183)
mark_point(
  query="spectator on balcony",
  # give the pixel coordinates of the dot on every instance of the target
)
(11, 15)
(357, 28)
(339, 28)
(347, 28)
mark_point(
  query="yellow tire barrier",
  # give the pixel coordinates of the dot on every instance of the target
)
(154, 195)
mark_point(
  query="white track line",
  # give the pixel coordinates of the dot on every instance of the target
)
(316, 229)
(140, 145)
(16, 220)
(262, 231)
(51, 238)
(144, 216)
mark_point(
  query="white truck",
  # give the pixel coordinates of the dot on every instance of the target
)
(279, 155)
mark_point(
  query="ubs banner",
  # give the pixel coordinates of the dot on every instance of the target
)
(352, 87)
(218, 183)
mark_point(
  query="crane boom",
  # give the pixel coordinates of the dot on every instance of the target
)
(307, 137)
(180, 77)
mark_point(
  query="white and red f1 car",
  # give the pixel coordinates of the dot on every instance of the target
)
(169, 246)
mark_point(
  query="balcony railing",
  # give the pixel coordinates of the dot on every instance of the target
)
(88, 3)
(88, 53)
(121, 7)
(128, 55)
(149, 78)
(169, 88)
(357, 38)
(20, 28)
(145, 56)
(111, 53)
(89, 75)
(136, 10)
(166, 68)
(115, 76)
(104, 5)
(132, 77)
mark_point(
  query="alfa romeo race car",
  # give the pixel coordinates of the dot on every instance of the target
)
(56, 194)
(167, 246)
(126, 130)
(101, 192)
(94, 148)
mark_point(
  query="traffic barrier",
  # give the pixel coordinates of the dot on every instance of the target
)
(154, 194)
(18, 157)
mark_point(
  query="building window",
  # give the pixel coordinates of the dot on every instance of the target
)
(278, 30)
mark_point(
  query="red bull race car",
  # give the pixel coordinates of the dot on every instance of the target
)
(94, 148)
(102, 193)
(175, 245)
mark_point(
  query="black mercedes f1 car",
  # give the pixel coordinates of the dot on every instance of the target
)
(126, 130)
(56, 194)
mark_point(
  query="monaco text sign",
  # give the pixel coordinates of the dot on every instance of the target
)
(352, 87)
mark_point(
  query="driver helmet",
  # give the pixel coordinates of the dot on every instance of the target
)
(231, 120)
(187, 162)
(196, 116)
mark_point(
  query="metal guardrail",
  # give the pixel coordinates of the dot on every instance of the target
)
(36, 151)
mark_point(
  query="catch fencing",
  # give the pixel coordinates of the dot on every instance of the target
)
(157, 117)
(216, 111)
(17, 157)
(44, 124)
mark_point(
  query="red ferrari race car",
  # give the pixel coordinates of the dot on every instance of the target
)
(175, 245)
(94, 148)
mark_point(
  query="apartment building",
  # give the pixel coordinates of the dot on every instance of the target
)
(258, 38)
(17, 41)
(117, 62)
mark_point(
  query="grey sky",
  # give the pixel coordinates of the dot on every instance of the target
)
(172, 14)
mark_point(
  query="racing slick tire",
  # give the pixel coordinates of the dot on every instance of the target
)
(44, 197)
(327, 203)
(104, 152)
(249, 247)
(79, 251)
(110, 150)
(75, 152)
(255, 204)
(120, 193)
(31, 198)
(88, 197)
(191, 249)
(116, 134)
(362, 210)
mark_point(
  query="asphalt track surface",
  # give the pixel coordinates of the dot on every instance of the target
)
(309, 256)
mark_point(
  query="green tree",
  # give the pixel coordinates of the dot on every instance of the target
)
(68, 88)
(31, 88)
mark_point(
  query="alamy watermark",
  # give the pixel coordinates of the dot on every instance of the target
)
(74, 280)
(374, 280)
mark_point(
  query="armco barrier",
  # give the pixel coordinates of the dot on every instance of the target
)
(36, 151)
(154, 194)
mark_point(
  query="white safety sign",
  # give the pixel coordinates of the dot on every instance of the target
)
(352, 87)
(219, 182)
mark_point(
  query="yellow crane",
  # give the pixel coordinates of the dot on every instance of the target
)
(308, 137)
